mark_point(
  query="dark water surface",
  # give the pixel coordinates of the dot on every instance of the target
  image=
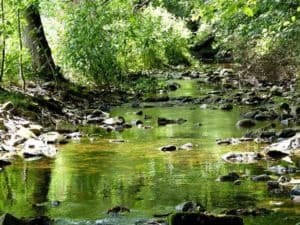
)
(92, 175)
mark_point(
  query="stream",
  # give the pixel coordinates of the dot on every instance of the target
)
(92, 175)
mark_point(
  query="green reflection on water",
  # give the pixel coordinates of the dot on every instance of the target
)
(91, 176)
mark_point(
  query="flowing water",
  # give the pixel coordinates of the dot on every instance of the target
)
(92, 175)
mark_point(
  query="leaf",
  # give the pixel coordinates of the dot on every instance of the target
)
(293, 18)
(248, 11)
(298, 9)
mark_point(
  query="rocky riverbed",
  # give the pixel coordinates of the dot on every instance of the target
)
(206, 139)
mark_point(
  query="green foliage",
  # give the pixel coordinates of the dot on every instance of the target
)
(104, 42)
(262, 34)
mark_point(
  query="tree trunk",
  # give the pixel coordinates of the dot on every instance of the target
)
(21, 72)
(37, 43)
(3, 41)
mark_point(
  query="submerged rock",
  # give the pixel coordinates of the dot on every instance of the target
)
(262, 177)
(168, 148)
(226, 107)
(118, 209)
(248, 212)
(201, 218)
(231, 177)
(246, 123)
(187, 146)
(242, 157)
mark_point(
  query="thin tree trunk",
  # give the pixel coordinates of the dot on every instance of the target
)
(38, 45)
(21, 72)
(3, 41)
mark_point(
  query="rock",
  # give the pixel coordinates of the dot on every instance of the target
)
(237, 182)
(276, 91)
(158, 98)
(181, 121)
(8, 106)
(242, 157)
(116, 141)
(173, 86)
(231, 177)
(3, 163)
(35, 147)
(139, 113)
(114, 121)
(285, 106)
(137, 123)
(25, 133)
(36, 129)
(163, 121)
(295, 191)
(73, 135)
(118, 209)
(201, 218)
(262, 177)
(248, 212)
(246, 123)
(287, 133)
(224, 142)
(283, 148)
(53, 138)
(168, 148)
(187, 146)
(282, 169)
(190, 206)
(40, 220)
(273, 185)
(226, 107)
(8, 219)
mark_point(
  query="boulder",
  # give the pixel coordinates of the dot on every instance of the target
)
(184, 218)
(25, 133)
(284, 148)
(246, 123)
(53, 138)
(34, 147)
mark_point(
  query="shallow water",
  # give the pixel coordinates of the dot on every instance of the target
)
(90, 176)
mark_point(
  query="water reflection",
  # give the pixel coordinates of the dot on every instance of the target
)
(88, 178)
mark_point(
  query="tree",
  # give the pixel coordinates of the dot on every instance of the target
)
(37, 43)
(3, 40)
